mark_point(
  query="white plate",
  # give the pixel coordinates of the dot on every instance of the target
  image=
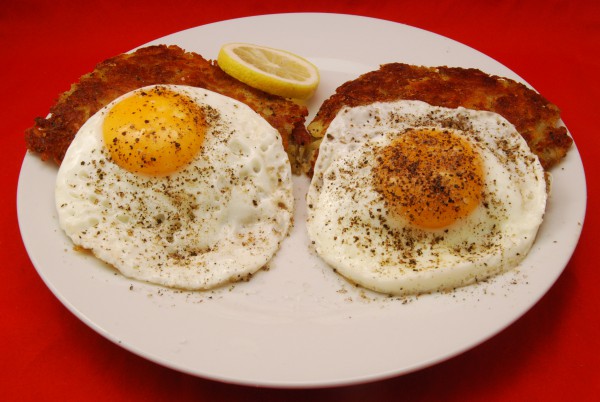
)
(298, 324)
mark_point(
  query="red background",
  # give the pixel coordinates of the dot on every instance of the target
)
(46, 353)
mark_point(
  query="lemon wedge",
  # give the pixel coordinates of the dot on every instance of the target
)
(275, 71)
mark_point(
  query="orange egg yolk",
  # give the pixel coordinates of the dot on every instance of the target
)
(154, 132)
(430, 177)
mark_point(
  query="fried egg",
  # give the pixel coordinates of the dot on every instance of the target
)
(177, 186)
(410, 198)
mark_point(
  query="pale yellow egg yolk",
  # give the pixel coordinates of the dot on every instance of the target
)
(430, 177)
(154, 132)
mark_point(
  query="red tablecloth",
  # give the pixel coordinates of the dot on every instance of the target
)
(46, 353)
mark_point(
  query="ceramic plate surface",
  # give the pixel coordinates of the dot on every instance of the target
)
(299, 324)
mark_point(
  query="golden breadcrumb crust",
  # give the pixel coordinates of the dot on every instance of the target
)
(536, 119)
(50, 137)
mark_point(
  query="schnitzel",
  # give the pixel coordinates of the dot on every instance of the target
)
(535, 118)
(50, 137)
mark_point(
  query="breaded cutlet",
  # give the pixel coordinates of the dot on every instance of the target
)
(50, 137)
(534, 117)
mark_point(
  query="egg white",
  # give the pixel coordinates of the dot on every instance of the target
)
(352, 231)
(218, 220)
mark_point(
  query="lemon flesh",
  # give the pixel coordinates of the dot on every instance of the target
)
(275, 71)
